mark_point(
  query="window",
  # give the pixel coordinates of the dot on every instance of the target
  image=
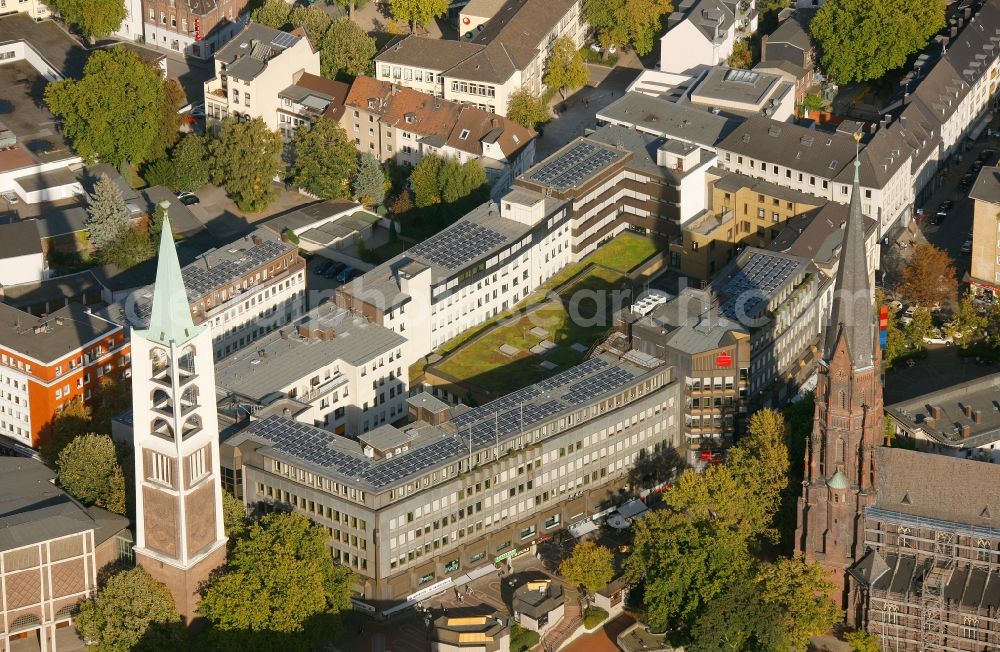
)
(528, 532)
(464, 135)
(246, 100)
(196, 466)
(160, 468)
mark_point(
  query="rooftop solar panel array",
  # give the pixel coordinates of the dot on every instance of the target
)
(285, 40)
(574, 166)
(200, 280)
(458, 245)
(755, 284)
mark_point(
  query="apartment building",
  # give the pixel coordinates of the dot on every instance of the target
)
(309, 98)
(702, 33)
(508, 53)
(252, 70)
(51, 549)
(483, 264)
(241, 291)
(984, 269)
(49, 361)
(337, 371)
(819, 234)
(193, 28)
(788, 51)
(462, 489)
(401, 124)
(710, 355)
(928, 578)
(36, 9)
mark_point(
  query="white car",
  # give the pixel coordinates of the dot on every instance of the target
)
(10, 197)
(967, 247)
(908, 315)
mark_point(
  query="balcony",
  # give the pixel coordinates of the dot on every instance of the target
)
(324, 388)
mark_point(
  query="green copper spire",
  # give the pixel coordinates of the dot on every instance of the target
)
(170, 320)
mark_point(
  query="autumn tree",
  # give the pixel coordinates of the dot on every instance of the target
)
(71, 422)
(369, 181)
(114, 112)
(527, 109)
(851, 35)
(862, 641)
(620, 23)
(170, 120)
(346, 51)
(246, 158)
(313, 18)
(132, 612)
(566, 69)
(929, 278)
(279, 576)
(94, 18)
(918, 329)
(273, 13)
(88, 469)
(325, 160)
(589, 566)
(799, 591)
(418, 12)
(190, 161)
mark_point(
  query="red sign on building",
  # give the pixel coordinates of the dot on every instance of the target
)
(724, 359)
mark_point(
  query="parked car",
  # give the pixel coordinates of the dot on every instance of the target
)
(334, 270)
(10, 197)
(986, 157)
(198, 110)
(323, 266)
(946, 206)
(190, 200)
(967, 247)
(908, 315)
(966, 181)
(346, 274)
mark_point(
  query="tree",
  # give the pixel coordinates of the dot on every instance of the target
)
(161, 172)
(862, 641)
(170, 120)
(918, 329)
(346, 50)
(130, 249)
(968, 323)
(799, 591)
(457, 187)
(107, 214)
(246, 157)
(929, 278)
(313, 18)
(589, 566)
(369, 181)
(566, 69)
(278, 577)
(527, 109)
(71, 422)
(325, 160)
(851, 35)
(761, 459)
(88, 469)
(133, 611)
(734, 620)
(623, 22)
(114, 112)
(273, 13)
(424, 181)
(418, 12)
(156, 225)
(742, 56)
(402, 204)
(112, 396)
(234, 517)
(94, 18)
(190, 160)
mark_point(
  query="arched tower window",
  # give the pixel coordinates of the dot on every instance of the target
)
(162, 428)
(843, 399)
(186, 361)
(191, 424)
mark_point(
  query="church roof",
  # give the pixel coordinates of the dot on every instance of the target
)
(851, 315)
(870, 568)
(170, 320)
(838, 480)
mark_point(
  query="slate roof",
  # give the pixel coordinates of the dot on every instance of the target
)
(691, 324)
(428, 53)
(818, 235)
(792, 30)
(968, 588)
(51, 338)
(706, 15)
(521, 27)
(824, 155)
(987, 186)
(247, 54)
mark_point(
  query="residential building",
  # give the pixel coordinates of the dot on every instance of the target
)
(339, 370)
(539, 605)
(928, 577)
(52, 550)
(468, 488)
(702, 33)
(508, 53)
(459, 632)
(400, 124)
(711, 354)
(21, 257)
(37, 9)
(326, 227)
(841, 474)
(193, 28)
(240, 292)
(180, 538)
(789, 52)
(984, 271)
(960, 419)
(253, 69)
(475, 14)
(309, 98)
(48, 362)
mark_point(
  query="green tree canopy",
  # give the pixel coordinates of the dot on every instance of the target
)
(800, 592)
(170, 120)
(115, 111)
(156, 224)
(132, 612)
(107, 215)
(566, 69)
(418, 12)
(851, 35)
(88, 469)
(527, 109)
(190, 160)
(735, 620)
(278, 577)
(968, 323)
(451, 187)
(369, 181)
(246, 158)
(589, 566)
(325, 160)
(313, 18)
(71, 422)
(273, 13)
(131, 248)
(94, 18)
(862, 641)
(346, 50)
(623, 22)
(161, 172)
(234, 517)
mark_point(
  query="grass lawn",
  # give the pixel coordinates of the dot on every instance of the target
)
(623, 253)
(388, 250)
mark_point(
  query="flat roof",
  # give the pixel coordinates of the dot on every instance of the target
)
(20, 239)
(48, 339)
(574, 164)
(435, 446)
(754, 279)
(285, 357)
(49, 179)
(981, 394)
(247, 54)
(735, 85)
(665, 118)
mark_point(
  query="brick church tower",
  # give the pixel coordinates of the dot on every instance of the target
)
(847, 426)
(180, 537)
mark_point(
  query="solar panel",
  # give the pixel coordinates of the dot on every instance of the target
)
(285, 40)
(200, 280)
(461, 243)
(575, 165)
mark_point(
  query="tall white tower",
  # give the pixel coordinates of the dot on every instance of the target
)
(180, 536)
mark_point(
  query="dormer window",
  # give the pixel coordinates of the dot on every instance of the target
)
(464, 135)
(410, 118)
(372, 103)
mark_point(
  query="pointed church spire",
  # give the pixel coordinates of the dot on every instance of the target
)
(851, 315)
(170, 319)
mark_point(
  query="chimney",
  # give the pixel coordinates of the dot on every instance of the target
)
(977, 416)
(256, 240)
(967, 409)
(966, 429)
(325, 334)
(283, 334)
(935, 412)
(304, 330)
